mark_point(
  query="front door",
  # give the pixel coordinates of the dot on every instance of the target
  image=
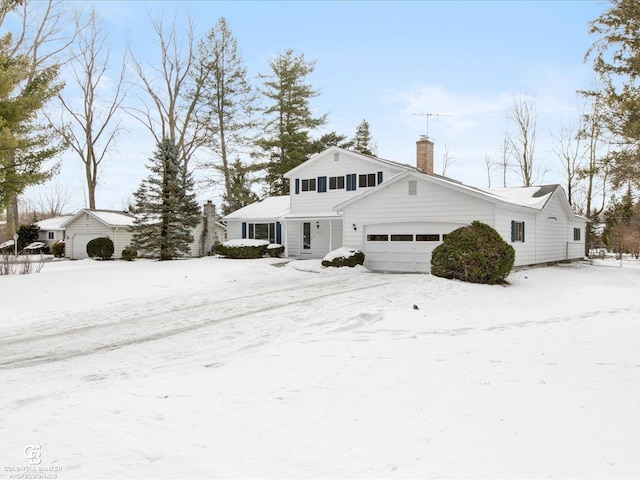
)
(306, 237)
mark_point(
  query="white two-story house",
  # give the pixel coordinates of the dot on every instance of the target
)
(397, 214)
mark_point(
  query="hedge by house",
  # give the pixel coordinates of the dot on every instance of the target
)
(343, 257)
(245, 248)
(475, 253)
(101, 248)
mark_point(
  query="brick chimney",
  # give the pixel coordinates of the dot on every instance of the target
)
(424, 155)
(209, 235)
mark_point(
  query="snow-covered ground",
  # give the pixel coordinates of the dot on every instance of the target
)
(212, 368)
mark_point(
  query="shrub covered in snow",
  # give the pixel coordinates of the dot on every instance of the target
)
(129, 253)
(343, 257)
(58, 249)
(244, 248)
(475, 253)
(275, 250)
(101, 248)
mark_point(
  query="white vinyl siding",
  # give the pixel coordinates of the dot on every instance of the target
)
(86, 228)
(310, 202)
(432, 203)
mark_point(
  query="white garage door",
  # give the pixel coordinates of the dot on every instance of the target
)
(79, 244)
(403, 247)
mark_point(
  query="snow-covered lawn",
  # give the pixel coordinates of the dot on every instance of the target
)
(214, 367)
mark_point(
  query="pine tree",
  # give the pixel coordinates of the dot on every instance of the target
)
(362, 141)
(327, 140)
(227, 101)
(239, 193)
(25, 144)
(166, 207)
(616, 56)
(289, 118)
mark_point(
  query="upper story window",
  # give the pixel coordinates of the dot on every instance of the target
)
(51, 235)
(367, 180)
(309, 185)
(336, 183)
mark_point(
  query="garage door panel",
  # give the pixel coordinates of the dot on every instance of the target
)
(403, 256)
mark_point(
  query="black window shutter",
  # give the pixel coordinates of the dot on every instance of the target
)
(244, 229)
(513, 231)
(297, 186)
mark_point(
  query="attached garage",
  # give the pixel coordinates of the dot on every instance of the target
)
(403, 247)
(89, 224)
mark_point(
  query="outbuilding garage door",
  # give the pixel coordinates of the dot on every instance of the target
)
(79, 244)
(403, 247)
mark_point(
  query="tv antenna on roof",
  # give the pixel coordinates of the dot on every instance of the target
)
(431, 115)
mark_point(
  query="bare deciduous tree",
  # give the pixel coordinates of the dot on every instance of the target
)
(505, 155)
(568, 147)
(447, 159)
(523, 141)
(489, 164)
(173, 91)
(94, 123)
(44, 31)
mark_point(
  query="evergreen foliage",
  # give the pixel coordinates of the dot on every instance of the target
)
(166, 208)
(622, 225)
(355, 257)
(227, 105)
(475, 253)
(239, 193)
(25, 143)
(327, 140)
(27, 234)
(289, 119)
(58, 249)
(362, 141)
(617, 62)
(129, 253)
(257, 250)
(275, 250)
(101, 248)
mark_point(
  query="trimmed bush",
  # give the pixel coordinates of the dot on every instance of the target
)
(101, 248)
(343, 257)
(275, 250)
(245, 248)
(475, 253)
(58, 249)
(129, 253)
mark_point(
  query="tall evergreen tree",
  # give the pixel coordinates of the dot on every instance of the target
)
(166, 207)
(25, 144)
(362, 141)
(227, 100)
(288, 118)
(239, 193)
(617, 62)
(327, 140)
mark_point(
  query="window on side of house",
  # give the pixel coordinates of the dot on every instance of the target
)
(367, 180)
(517, 231)
(309, 185)
(576, 234)
(413, 187)
(51, 235)
(336, 183)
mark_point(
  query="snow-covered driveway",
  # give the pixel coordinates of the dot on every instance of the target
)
(221, 368)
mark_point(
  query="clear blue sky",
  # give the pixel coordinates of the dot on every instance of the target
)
(384, 62)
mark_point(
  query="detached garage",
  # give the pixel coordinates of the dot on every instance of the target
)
(400, 223)
(88, 224)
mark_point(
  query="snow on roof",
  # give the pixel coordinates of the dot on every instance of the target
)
(120, 219)
(535, 197)
(270, 207)
(53, 223)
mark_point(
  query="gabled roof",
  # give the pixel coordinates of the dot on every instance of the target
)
(368, 158)
(110, 218)
(268, 208)
(53, 223)
(526, 197)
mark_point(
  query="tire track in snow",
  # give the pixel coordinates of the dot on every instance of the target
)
(107, 337)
